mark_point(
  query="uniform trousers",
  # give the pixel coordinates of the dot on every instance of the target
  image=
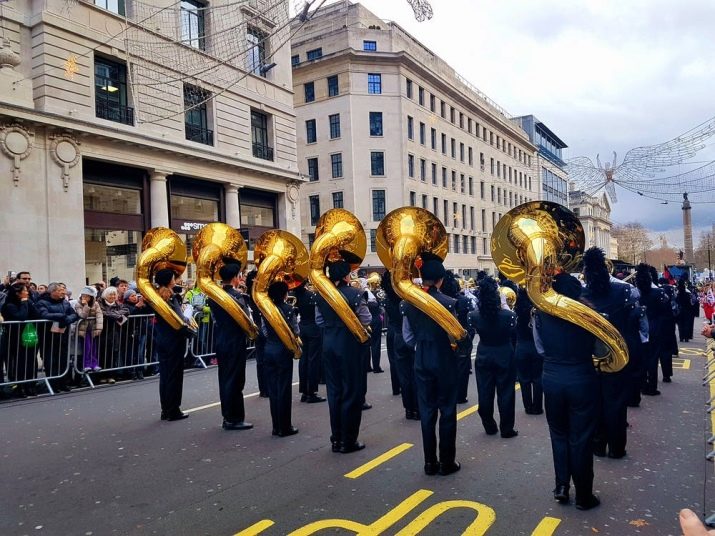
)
(171, 372)
(376, 345)
(309, 364)
(278, 363)
(464, 367)
(392, 359)
(231, 381)
(260, 368)
(650, 358)
(496, 374)
(529, 368)
(613, 415)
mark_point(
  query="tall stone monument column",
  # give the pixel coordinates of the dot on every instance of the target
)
(687, 229)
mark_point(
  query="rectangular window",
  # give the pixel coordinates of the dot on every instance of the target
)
(410, 128)
(309, 91)
(295, 60)
(464, 216)
(336, 163)
(498, 169)
(444, 144)
(373, 240)
(474, 245)
(423, 135)
(313, 173)
(256, 57)
(461, 152)
(434, 174)
(471, 185)
(461, 183)
(378, 205)
(334, 121)
(432, 103)
(443, 109)
(493, 193)
(413, 199)
(453, 146)
(314, 201)
(421, 95)
(369, 46)
(337, 199)
(110, 91)
(461, 120)
(411, 166)
(333, 88)
(492, 165)
(470, 157)
(445, 212)
(374, 83)
(375, 123)
(471, 218)
(259, 136)
(481, 190)
(484, 246)
(484, 220)
(433, 138)
(435, 206)
(465, 243)
(115, 6)
(423, 170)
(424, 201)
(196, 116)
(314, 54)
(491, 138)
(444, 177)
(192, 23)
(377, 163)
(408, 88)
(451, 114)
(311, 135)
(469, 125)
(454, 181)
(456, 243)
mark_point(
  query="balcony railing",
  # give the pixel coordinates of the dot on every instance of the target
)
(198, 134)
(263, 151)
(114, 112)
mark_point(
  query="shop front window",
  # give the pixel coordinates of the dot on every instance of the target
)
(190, 209)
(110, 253)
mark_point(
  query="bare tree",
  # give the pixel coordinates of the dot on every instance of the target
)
(633, 242)
(706, 245)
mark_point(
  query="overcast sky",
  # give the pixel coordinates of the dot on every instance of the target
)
(604, 75)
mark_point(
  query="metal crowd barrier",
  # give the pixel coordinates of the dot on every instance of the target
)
(33, 351)
(119, 347)
(201, 348)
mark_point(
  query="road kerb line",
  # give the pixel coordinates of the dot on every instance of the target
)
(214, 404)
(546, 527)
(382, 458)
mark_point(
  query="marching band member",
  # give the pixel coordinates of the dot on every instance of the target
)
(309, 365)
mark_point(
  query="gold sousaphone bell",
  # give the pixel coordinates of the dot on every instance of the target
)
(530, 245)
(402, 236)
(279, 256)
(215, 244)
(161, 248)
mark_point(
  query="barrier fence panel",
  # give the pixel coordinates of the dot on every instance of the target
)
(202, 346)
(121, 345)
(32, 351)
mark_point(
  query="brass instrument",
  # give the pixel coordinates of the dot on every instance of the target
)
(373, 281)
(402, 236)
(279, 256)
(215, 244)
(337, 230)
(161, 248)
(530, 245)
(509, 296)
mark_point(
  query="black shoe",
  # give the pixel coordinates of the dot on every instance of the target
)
(509, 434)
(449, 468)
(463, 401)
(654, 392)
(396, 393)
(431, 468)
(238, 425)
(588, 503)
(491, 431)
(346, 449)
(378, 370)
(288, 432)
(263, 395)
(314, 399)
(600, 452)
(616, 455)
(412, 415)
(174, 415)
(537, 411)
(667, 379)
(65, 388)
(335, 446)
(561, 494)
(366, 406)
(139, 375)
(303, 398)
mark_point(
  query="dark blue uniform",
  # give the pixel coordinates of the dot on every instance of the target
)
(309, 365)
(659, 315)
(375, 334)
(343, 367)
(394, 326)
(230, 345)
(621, 308)
(402, 357)
(571, 395)
(170, 348)
(529, 365)
(278, 363)
(495, 369)
(436, 378)
(464, 347)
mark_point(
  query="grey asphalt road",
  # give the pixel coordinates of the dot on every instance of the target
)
(100, 461)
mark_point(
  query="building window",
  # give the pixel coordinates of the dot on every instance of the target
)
(443, 109)
(313, 173)
(377, 163)
(192, 23)
(471, 186)
(375, 123)
(461, 183)
(110, 92)
(259, 135)
(314, 54)
(374, 83)
(424, 201)
(456, 241)
(411, 166)
(256, 57)
(421, 96)
(470, 156)
(481, 190)
(311, 135)
(336, 163)
(373, 240)
(115, 6)
(493, 193)
(413, 199)
(484, 221)
(434, 174)
(451, 114)
(333, 88)
(295, 60)
(435, 206)
(454, 181)
(423, 129)
(337, 199)
(469, 125)
(484, 246)
(461, 120)
(471, 218)
(314, 201)
(453, 146)
(309, 90)
(196, 117)
(444, 143)
(378, 205)
(410, 128)
(369, 46)
(408, 88)
(461, 152)
(432, 103)
(433, 138)
(334, 121)
(473, 239)
(423, 170)
(311, 239)
(444, 177)
(445, 212)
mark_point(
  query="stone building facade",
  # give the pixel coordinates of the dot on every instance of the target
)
(595, 215)
(382, 122)
(84, 179)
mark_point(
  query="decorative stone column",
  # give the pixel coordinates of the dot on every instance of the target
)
(687, 229)
(233, 209)
(159, 199)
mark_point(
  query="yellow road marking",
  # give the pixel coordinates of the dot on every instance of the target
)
(546, 527)
(214, 404)
(467, 412)
(382, 458)
(691, 351)
(256, 528)
(681, 363)
(485, 518)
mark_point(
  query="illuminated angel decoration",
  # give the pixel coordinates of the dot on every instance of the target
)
(641, 165)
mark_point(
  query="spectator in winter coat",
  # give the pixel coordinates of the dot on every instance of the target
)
(90, 327)
(18, 348)
(115, 316)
